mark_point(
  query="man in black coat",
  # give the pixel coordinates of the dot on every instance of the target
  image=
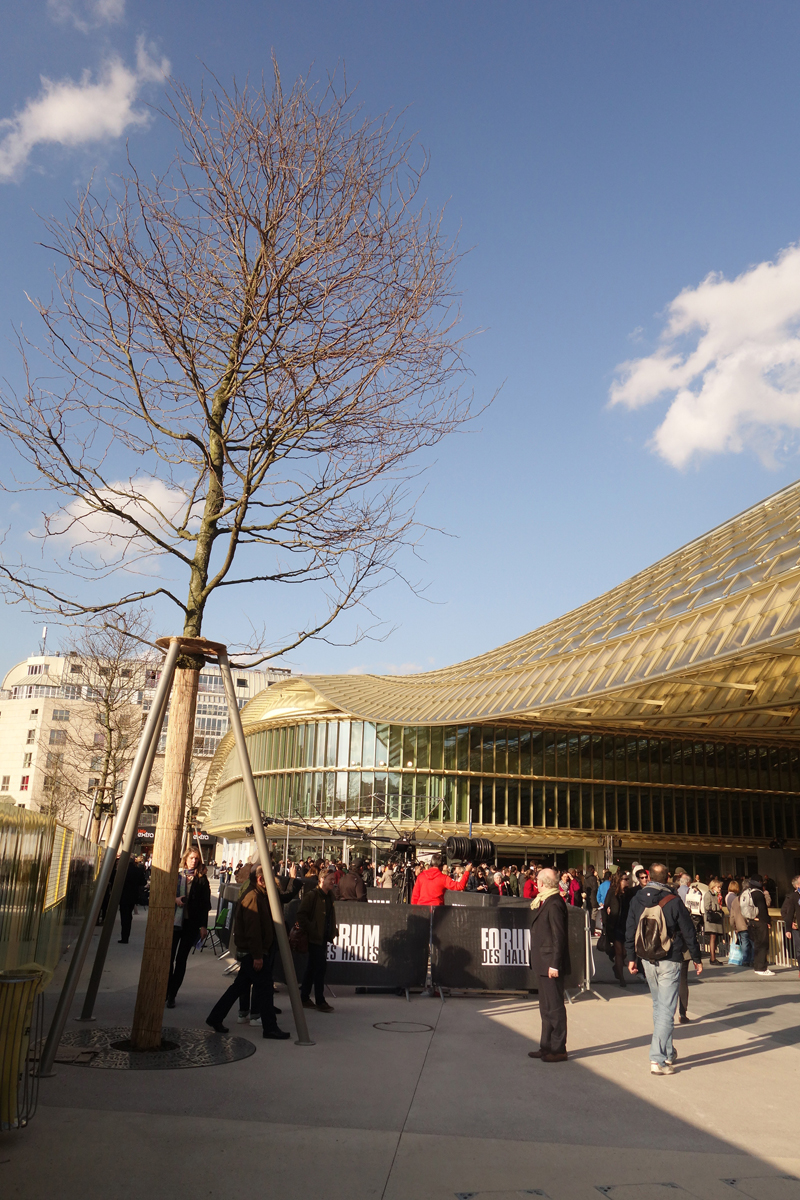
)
(135, 880)
(550, 961)
(790, 913)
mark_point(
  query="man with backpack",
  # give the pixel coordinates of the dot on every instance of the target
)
(658, 931)
(753, 907)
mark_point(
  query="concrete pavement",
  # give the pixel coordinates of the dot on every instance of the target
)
(452, 1111)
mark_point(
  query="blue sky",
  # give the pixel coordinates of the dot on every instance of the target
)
(600, 160)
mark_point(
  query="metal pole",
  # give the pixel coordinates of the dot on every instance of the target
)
(122, 868)
(263, 850)
(152, 731)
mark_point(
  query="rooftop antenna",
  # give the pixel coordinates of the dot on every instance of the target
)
(43, 642)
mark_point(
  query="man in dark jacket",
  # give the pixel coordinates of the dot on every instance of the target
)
(663, 973)
(790, 913)
(351, 885)
(317, 920)
(254, 935)
(550, 961)
(135, 880)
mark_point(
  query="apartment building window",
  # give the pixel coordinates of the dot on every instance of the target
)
(93, 783)
(23, 787)
(31, 738)
(35, 668)
(58, 737)
(5, 783)
(126, 674)
(27, 760)
(99, 739)
(34, 713)
(54, 760)
(60, 714)
(96, 762)
(75, 669)
(241, 683)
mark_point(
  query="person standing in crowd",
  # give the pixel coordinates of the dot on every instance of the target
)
(712, 918)
(753, 907)
(513, 881)
(660, 944)
(738, 924)
(317, 920)
(431, 884)
(135, 880)
(498, 886)
(387, 878)
(684, 881)
(639, 878)
(351, 886)
(615, 917)
(550, 961)
(254, 934)
(790, 914)
(590, 885)
(529, 888)
(192, 902)
(603, 889)
(694, 903)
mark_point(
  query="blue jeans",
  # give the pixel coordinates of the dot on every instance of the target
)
(746, 942)
(663, 979)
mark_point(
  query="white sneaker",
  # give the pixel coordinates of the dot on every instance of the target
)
(674, 1058)
(243, 1018)
(657, 1069)
(767, 972)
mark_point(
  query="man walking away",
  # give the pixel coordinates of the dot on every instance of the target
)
(351, 885)
(658, 931)
(550, 961)
(317, 920)
(790, 912)
(753, 907)
(254, 934)
(135, 880)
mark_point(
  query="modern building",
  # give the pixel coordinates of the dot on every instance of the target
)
(661, 719)
(55, 728)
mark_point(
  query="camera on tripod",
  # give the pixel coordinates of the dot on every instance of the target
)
(470, 850)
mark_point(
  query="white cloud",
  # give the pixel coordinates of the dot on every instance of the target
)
(729, 361)
(86, 15)
(72, 114)
(151, 501)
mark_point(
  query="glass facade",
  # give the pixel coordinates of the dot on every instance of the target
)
(518, 777)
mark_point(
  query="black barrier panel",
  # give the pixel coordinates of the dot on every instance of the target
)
(387, 895)
(380, 945)
(490, 949)
(484, 900)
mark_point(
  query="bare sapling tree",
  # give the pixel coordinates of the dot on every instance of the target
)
(244, 357)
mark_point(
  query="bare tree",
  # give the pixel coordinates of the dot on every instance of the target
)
(250, 351)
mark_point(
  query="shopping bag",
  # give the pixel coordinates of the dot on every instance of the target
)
(735, 955)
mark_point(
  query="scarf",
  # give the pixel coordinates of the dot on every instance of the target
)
(545, 894)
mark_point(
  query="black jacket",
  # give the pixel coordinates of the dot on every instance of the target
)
(760, 901)
(351, 886)
(590, 886)
(135, 880)
(317, 917)
(549, 937)
(197, 902)
(790, 910)
(676, 915)
(615, 915)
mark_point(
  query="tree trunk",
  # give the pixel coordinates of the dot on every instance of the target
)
(149, 1014)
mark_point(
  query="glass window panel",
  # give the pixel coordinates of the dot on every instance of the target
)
(774, 769)
(702, 813)
(330, 792)
(537, 799)
(486, 803)
(620, 764)
(597, 756)
(356, 743)
(487, 743)
(343, 756)
(563, 822)
(711, 765)
(731, 756)
(300, 746)
(655, 760)
(288, 750)
(585, 756)
(500, 802)
(500, 751)
(423, 748)
(448, 792)
(420, 798)
(475, 800)
(622, 807)
(634, 821)
(367, 791)
(311, 731)
(409, 746)
(475, 743)
(691, 812)
(713, 813)
(525, 815)
(609, 756)
(382, 746)
(463, 801)
(586, 806)
(562, 766)
(724, 804)
(790, 812)
(752, 766)
(550, 805)
(379, 798)
(669, 811)
(463, 747)
(537, 752)
(763, 767)
(665, 754)
(437, 748)
(573, 755)
(450, 748)
(353, 792)
(435, 798)
(513, 752)
(679, 801)
(785, 774)
(768, 822)
(525, 752)
(645, 811)
(777, 816)
(330, 751)
(394, 794)
(395, 746)
(406, 797)
(549, 754)
(656, 801)
(281, 748)
(512, 814)
(319, 744)
(340, 807)
(611, 808)
(644, 760)
(574, 806)
(757, 817)
(794, 764)
(368, 748)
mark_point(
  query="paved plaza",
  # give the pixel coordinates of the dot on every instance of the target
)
(458, 1109)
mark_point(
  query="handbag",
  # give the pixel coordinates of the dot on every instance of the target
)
(602, 944)
(298, 940)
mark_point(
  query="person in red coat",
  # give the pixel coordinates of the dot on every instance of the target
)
(431, 884)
